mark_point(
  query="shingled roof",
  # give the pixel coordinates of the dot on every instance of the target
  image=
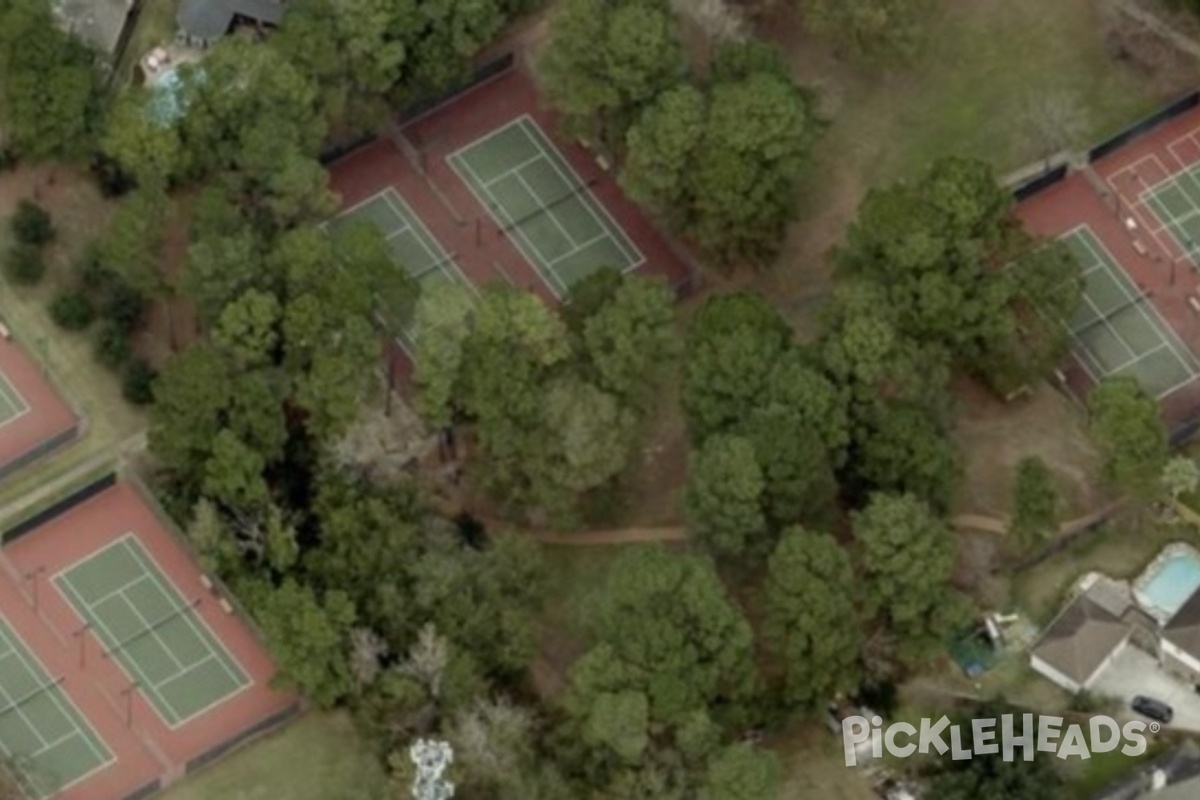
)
(1082, 636)
(210, 19)
(1183, 629)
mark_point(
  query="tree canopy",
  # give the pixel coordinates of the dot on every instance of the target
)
(908, 556)
(1124, 423)
(814, 624)
(50, 93)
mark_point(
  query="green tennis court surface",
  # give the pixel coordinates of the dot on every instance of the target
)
(1176, 202)
(152, 632)
(41, 732)
(411, 244)
(1117, 330)
(12, 405)
(535, 196)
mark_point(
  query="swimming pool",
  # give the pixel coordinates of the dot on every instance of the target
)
(1169, 581)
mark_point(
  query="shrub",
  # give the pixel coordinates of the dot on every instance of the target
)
(31, 224)
(72, 310)
(92, 274)
(112, 180)
(24, 264)
(112, 346)
(8, 159)
(123, 305)
(137, 382)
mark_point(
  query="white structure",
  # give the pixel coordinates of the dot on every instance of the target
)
(431, 759)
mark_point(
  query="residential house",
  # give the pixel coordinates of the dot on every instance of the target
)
(100, 23)
(1090, 632)
(202, 22)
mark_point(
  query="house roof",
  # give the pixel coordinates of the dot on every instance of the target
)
(97, 22)
(210, 19)
(1183, 629)
(1080, 638)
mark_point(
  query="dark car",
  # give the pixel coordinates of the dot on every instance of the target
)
(1154, 709)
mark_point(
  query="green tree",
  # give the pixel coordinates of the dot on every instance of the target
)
(132, 246)
(742, 772)
(875, 30)
(662, 147)
(732, 347)
(989, 777)
(234, 474)
(630, 340)
(1035, 503)
(905, 448)
(140, 144)
(908, 558)
(604, 61)
(308, 636)
(757, 139)
(692, 653)
(1124, 423)
(724, 497)
(1180, 477)
(190, 397)
(798, 477)
(50, 94)
(812, 623)
(724, 167)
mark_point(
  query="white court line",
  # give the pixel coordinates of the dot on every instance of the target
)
(1137, 205)
(241, 678)
(77, 719)
(554, 157)
(1167, 334)
(128, 665)
(513, 170)
(553, 218)
(152, 629)
(15, 399)
(501, 215)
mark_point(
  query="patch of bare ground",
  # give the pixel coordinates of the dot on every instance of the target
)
(994, 436)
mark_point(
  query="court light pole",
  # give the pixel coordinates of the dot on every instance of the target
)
(80, 634)
(32, 577)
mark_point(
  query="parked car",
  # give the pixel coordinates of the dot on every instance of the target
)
(1154, 709)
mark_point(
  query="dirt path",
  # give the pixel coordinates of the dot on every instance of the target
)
(622, 536)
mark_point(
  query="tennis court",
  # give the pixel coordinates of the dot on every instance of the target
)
(1117, 330)
(151, 631)
(42, 734)
(1176, 202)
(411, 244)
(12, 405)
(536, 198)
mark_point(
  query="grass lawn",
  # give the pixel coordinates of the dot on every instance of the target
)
(319, 757)
(1121, 550)
(814, 767)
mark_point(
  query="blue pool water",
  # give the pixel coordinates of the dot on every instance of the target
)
(1173, 582)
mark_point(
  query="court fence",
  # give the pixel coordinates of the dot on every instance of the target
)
(260, 728)
(42, 448)
(40, 515)
(1148, 123)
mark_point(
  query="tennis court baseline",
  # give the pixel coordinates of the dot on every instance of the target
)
(533, 194)
(41, 731)
(12, 404)
(153, 633)
(1117, 330)
(411, 244)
